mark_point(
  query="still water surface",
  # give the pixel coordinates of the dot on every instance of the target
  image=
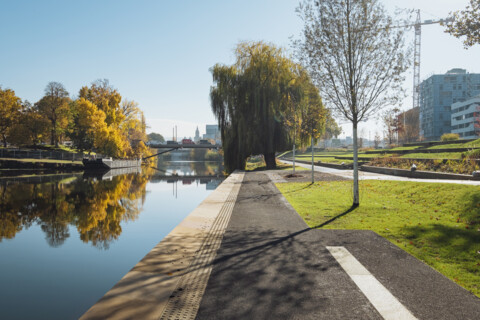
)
(65, 240)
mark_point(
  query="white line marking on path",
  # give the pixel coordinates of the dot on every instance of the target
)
(385, 303)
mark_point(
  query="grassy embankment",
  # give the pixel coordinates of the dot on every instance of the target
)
(437, 223)
(259, 164)
(31, 160)
(395, 157)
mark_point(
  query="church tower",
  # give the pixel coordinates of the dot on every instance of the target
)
(197, 135)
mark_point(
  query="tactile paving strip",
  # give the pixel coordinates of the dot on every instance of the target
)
(185, 300)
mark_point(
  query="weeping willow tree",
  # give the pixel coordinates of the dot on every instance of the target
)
(252, 100)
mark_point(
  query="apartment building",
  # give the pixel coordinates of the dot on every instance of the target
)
(437, 94)
(466, 118)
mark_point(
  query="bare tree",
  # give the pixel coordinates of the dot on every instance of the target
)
(356, 57)
(392, 125)
(409, 122)
(377, 140)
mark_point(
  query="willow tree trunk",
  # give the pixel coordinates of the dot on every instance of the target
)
(356, 196)
(270, 160)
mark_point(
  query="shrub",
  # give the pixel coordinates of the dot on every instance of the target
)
(449, 137)
(465, 166)
(472, 154)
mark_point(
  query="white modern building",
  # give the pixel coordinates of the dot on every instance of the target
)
(464, 117)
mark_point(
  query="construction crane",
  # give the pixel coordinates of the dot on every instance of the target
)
(416, 56)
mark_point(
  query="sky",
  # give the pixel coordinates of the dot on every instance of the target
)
(159, 53)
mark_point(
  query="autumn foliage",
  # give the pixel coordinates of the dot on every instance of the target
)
(98, 120)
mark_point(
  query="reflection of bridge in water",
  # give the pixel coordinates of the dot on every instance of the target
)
(185, 146)
(172, 147)
(210, 182)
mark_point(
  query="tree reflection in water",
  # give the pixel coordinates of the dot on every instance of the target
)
(95, 207)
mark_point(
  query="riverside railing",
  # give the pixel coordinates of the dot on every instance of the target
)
(40, 154)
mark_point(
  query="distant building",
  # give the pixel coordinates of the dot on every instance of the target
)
(409, 125)
(466, 118)
(212, 132)
(438, 93)
(197, 136)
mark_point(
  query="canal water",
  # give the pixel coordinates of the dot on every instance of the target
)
(66, 239)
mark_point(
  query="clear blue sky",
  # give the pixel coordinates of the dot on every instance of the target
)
(158, 53)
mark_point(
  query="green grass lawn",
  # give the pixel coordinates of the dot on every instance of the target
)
(333, 160)
(437, 223)
(283, 154)
(403, 148)
(471, 144)
(260, 165)
(443, 155)
(324, 159)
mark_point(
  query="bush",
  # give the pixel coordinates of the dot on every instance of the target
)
(472, 154)
(449, 137)
(465, 166)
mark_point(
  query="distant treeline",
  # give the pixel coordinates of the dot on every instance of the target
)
(97, 120)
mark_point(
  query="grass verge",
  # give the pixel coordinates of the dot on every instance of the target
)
(437, 223)
(260, 165)
(443, 155)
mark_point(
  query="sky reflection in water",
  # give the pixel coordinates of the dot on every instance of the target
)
(67, 240)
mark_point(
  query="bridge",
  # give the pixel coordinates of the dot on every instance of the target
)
(171, 147)
(184, 146)
(175, 177)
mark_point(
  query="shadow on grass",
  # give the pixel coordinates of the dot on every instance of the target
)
(456, 245)
(302, 188)
(471, 209)
(352, 208)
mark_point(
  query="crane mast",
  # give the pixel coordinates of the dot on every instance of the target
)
(416, 61)
(416, 57)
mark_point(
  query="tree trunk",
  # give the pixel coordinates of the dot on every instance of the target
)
(356, 196)
(270, 160)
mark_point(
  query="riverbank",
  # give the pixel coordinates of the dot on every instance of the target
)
(8, 164)
(261, 260)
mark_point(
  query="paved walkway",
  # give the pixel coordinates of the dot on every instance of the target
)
(363, 175)
(270, 265)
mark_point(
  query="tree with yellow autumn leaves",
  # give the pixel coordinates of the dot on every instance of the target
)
(10, 107)
(98, 120)
(114, 128)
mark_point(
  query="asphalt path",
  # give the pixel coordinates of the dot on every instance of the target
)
(363, 175)
(271, 265)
